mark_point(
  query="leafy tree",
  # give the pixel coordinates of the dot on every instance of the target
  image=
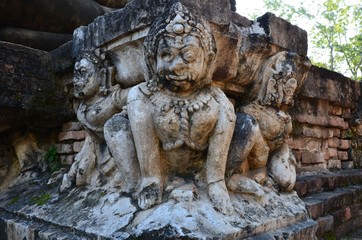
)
(337, 30)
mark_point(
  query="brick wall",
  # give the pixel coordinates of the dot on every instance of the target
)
(321, 137)
(71, 139)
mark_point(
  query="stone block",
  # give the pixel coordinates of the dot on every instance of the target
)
(335, 121)
(301, 187)
(336, 132)
(306, 144)
(335, 110)
(314, 184)
(77, 146)
(342, 155)
(312, 168)
(312, 157)
(332, 152)
(334, 164)
(67, 160)
(344, 144)
(315, 207)
(343, 229)
(356, 210)
(284, 34)
(71, 126)
(72, 135)
(355, 177)
(347, 165)
(325, 224)
(346, 113)
(329, 182)
(336, 200)
(317, 132)
(333, 142)
(30, 95)
(64, 148)
(331, 86)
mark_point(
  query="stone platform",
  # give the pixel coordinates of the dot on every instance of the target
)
(37, 211)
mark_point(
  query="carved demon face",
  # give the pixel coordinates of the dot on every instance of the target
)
(181, 64)
(85, 80)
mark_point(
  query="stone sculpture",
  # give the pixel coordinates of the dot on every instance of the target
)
(181, 125)
(100, 100)
(259, 144)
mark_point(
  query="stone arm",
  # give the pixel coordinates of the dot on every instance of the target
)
(144, 134)
(220, 140)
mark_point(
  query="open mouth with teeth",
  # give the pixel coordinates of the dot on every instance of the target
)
(178, 80)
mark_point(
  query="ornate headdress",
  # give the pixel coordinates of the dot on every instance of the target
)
(277, 70)
(177, 22)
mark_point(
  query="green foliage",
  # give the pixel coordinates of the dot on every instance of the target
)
(336, 34)
(41, 200)
(14, 200)
(52, 158)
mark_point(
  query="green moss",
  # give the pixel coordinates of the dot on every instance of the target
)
(52, 158)
(41, 200)
(14, 200)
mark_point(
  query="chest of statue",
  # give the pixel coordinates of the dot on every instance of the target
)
(185, 121)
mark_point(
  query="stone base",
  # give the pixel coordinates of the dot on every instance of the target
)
(37, 210)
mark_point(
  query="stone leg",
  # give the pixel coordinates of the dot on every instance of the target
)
(147, 148)
(282, 168)
(248, 149)
(117, 133)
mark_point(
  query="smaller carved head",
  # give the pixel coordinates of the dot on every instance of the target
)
(180, 51)
(89, 76)
(281, 77)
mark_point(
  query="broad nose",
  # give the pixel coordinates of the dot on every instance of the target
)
(177, 64)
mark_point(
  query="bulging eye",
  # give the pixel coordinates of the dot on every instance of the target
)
(189, 56)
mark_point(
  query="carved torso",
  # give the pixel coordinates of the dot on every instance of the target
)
(93, 116)
(275, 125)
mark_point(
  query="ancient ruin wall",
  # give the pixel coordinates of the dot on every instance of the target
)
(322, 136)
(321, 139)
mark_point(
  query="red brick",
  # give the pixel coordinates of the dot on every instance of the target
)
(77, 146)
(342, 155)
(72, 135)
(336, 132)
(335, 110)
(315, 184)
(346, 113)
(325, 224)
(301, 187)
(347, 214)
(64, 148)
(307, 144)
(333, 142)
(312, 157)
(338, 122)
(344, 144)
(334, 164)
(71, 126)
(317, 132)
(332, 152)
(315, 207)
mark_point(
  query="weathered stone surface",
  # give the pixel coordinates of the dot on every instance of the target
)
(325, 224)
(30, 94)
(139, 14)
(108, 214)
(34, 39)
(331, 86)
(43, 15)
(284, 34)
